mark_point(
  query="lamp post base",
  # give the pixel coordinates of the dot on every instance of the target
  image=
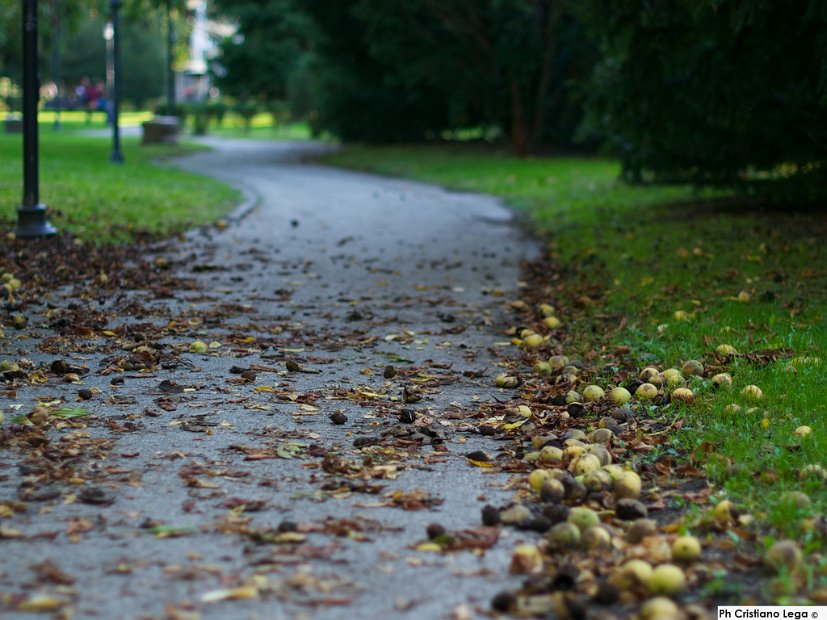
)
(32, 222)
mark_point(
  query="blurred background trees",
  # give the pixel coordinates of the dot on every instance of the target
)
(381, 71)
(706, 90)
(711, 91)
(83, 48)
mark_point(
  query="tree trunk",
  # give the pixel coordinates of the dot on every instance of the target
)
(555, 15)
(519, 125)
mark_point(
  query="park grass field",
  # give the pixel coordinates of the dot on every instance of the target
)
(671, 272)
(77, 120)
(261, 128)
(102, 202)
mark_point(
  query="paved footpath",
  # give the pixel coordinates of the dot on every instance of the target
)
(215, 484)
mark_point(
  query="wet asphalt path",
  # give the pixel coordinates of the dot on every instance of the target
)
(343, 273)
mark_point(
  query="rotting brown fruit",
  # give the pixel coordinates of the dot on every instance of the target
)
(783, 555)
(647, 373)
(601, 436)
(692, 368)
(552, 490)
(564, 535)
(640, 529)
(722, 379)
(684, 395)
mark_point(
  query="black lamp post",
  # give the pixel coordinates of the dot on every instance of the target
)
(117, 156)
(170, 58)
(56, 60)
(31, 216)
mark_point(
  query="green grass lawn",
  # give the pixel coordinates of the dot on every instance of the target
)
(78, 120)
(261, 128)
(672, 272)
(232, 126)
(103, 202)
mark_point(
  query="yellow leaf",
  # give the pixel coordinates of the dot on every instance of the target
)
(422, 378)
(40, 602)
(513, 425)
(235, 594)
(264, 388)
(480, 463)
(367, 394)
(38, 377)
(259, 407)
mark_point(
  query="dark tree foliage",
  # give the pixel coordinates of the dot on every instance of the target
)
(443, 64)
(358, 96)
(388, 70)
(706, 90)
(70, 13)
(259, 61)
(489, 62)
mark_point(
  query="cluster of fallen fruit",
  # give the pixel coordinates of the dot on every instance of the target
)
(599, 545)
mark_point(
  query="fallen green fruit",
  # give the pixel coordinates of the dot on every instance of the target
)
(199, 346)
(686, 549)
(646, 391)
(593, 393)
(620, 396)
(783, 555)
(667, 579)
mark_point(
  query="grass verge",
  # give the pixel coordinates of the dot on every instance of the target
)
(261, 128)
(665, 275)
(98, 201)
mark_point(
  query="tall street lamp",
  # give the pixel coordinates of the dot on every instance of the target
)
(31, 216)
(56, 60)
(108, 35)
(170, 58)
(117, 156)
